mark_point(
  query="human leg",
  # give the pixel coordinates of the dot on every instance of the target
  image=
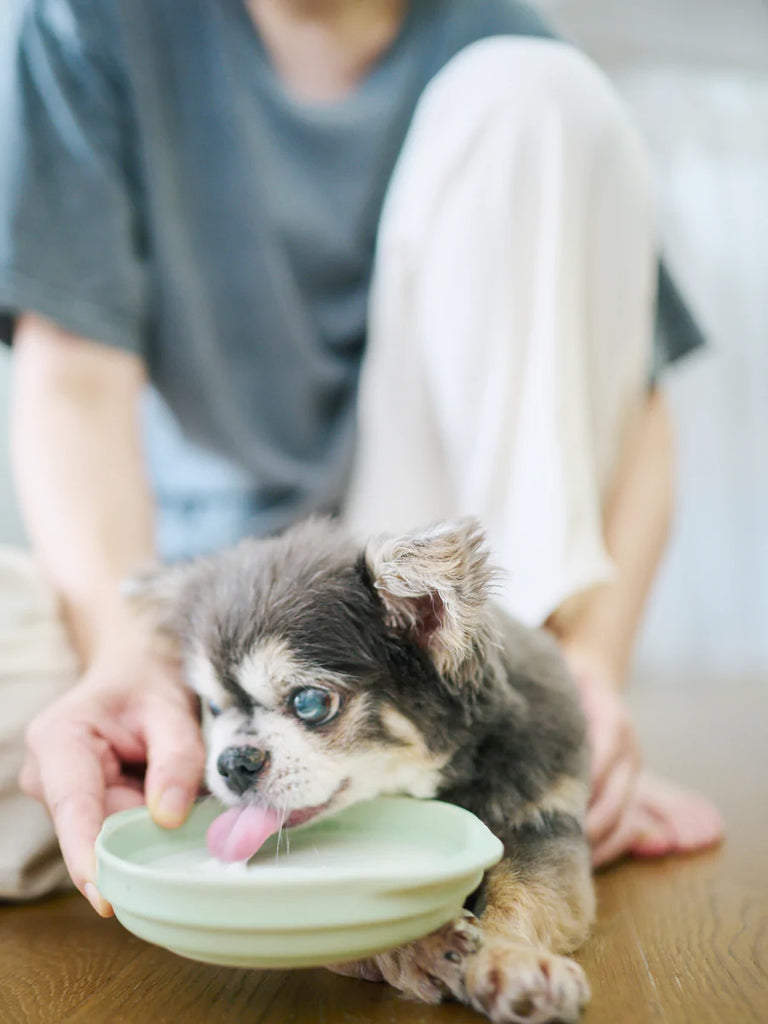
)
(511, 315)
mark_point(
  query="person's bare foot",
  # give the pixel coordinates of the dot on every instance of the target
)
(672, 819)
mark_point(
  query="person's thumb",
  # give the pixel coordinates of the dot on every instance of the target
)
(175, 762)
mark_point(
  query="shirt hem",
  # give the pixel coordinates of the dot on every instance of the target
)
(19, 292)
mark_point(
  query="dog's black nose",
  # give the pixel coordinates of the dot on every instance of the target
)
(240, 766)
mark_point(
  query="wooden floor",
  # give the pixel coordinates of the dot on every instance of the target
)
(683, 941)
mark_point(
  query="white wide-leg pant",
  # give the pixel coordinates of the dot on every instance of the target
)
(511, 315)
(509, 344)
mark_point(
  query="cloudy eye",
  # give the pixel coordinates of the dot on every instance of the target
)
(213, 708)
(314, 706)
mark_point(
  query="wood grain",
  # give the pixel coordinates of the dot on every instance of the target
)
(678, 941)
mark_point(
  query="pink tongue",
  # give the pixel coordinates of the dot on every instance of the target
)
(239, 832)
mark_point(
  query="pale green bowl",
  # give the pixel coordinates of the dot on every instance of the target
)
(372, 877)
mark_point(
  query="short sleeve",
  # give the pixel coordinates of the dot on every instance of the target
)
(677, 332)
(71, 241)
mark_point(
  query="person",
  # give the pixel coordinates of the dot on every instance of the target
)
(392, 259)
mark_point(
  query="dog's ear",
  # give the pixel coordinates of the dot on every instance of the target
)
(434, 585)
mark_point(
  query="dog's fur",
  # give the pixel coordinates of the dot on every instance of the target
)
(432, 691)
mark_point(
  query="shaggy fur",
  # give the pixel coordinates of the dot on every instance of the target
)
(431, 691)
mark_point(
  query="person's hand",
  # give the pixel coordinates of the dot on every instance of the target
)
(615, 760)
(632, 811)
(86, 752)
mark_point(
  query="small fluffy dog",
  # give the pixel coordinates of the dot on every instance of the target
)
(334, 673)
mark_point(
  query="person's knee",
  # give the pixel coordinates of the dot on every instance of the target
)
(525, 76)
(545, 89)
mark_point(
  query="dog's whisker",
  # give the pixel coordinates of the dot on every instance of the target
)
(282, 815)
(279, 837)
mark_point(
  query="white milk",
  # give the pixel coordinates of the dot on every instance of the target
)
(353, 855)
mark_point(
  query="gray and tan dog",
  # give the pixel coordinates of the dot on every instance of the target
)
(335, 673)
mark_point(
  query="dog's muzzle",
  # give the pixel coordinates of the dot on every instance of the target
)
(240, 766)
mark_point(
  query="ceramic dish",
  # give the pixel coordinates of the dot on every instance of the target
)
(374, 876)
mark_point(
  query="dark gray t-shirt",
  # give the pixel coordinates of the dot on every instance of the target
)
(161, 192)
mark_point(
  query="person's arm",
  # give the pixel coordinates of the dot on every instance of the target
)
(86, 501)
(79, 470)
(600, 627)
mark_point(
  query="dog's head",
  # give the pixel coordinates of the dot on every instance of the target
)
(329, 672)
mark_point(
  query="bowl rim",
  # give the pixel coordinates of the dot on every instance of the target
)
(482, 851)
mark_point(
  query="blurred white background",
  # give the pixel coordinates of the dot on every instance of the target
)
(696, 74)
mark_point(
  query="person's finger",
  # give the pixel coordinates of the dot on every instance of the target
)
(123, 798)
(605, 812)
(29, 778)
(111, 766)
(175, 762)
(73, 788)
(605, 752)
(608, 734)
(653, 839)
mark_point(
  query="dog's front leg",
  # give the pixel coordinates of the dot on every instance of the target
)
(432, 969)
(535, 906)
(429, 969)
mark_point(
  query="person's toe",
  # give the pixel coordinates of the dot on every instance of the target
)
(691, 821)
(654, 837)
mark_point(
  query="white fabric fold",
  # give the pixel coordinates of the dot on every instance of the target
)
(511, 316)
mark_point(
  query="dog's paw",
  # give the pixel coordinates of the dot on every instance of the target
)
(443, 954)
(365, 970)
(515, 984)
(432, 969)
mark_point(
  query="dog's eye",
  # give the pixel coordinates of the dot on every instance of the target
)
(214, 708)
(314, 706)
